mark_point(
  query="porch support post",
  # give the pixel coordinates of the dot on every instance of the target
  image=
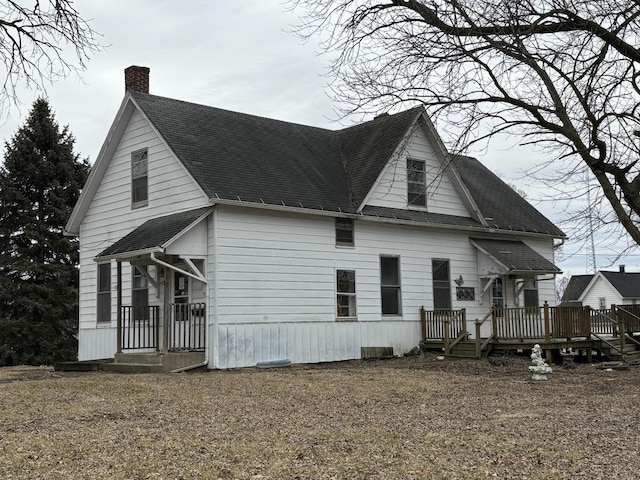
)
(119, 305)
(167, 311)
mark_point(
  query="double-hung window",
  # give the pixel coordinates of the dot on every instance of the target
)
(346, 293)
(139, 178)
(441, 285)
(531, 295)
(416, 183)
(104, 292)
(140, 293)
(344, 232)
(390, 286)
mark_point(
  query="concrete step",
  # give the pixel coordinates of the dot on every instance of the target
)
(132, 368)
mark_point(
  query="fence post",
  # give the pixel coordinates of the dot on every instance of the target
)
(423, 324)
(547, 322)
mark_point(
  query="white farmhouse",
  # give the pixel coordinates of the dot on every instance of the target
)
(249, 240)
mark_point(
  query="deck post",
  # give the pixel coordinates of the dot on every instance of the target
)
(586, 317)
(478, 340)
(547, 323)
(616, 331)
(623, 332)
(119, 306)
(494, 322)
(423, 324)
(167, 312)
(464, 323)
(446, 335)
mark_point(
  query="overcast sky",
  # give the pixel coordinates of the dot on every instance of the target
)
(237, 55)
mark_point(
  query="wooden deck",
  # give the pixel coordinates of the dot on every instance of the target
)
(610, 332)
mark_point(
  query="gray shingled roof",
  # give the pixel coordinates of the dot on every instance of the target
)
(254, 159)
(154, 233)
(628, 284)
(516, 256)
(575, 287)
(501, 206)
(368, 147)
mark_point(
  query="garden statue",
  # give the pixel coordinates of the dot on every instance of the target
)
(539, 368)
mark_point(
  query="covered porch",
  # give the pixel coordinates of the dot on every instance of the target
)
(161, 292)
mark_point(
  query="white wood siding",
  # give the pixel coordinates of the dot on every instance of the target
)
(276, 295)
(391, 189)
(602, 288)
(110, 217)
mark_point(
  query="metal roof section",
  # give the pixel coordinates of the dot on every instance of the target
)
(154, 235)
(515, 257)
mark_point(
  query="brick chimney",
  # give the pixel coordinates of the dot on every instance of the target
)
(621, 267)
(136, 79)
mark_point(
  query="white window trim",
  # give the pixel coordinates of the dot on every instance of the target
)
(350, 318)
(399, 286)
(353, 233)
(145, 202)
(413, 206)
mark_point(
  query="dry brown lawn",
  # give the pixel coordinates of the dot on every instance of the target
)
(412, 418)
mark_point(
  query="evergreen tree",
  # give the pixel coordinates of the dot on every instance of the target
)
(40, 182)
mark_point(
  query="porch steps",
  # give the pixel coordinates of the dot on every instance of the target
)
(462, 349)
(153, 362)
(118, 367)
(630, 353)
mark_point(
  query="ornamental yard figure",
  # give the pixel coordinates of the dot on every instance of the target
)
(539, 368)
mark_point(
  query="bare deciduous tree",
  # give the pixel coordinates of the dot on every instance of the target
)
(41, 42)
(560, 74)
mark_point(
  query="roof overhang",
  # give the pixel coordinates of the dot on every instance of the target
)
(514, 257)
(160, 235)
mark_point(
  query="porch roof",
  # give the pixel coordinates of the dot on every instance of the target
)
(515, 256)
(154, 235)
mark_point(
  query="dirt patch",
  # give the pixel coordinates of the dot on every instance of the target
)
(411, 418)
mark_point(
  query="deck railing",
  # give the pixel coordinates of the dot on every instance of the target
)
(139, 328)
(187, 326)
(544, 323)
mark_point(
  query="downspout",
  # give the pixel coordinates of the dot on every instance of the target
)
(190, 367)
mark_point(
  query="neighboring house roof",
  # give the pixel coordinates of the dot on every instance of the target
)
(627, 284)
(515, 256)
(154, 234)
(575, 287)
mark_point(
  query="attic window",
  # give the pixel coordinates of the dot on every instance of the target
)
(416, 183)
(139, 179)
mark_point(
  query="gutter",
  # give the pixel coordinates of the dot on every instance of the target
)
(378, 219)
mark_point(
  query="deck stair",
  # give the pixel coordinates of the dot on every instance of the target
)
(467, 349)
(610, 348)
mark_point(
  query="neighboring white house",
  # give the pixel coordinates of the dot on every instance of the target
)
(603, 289)
(256, 240)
